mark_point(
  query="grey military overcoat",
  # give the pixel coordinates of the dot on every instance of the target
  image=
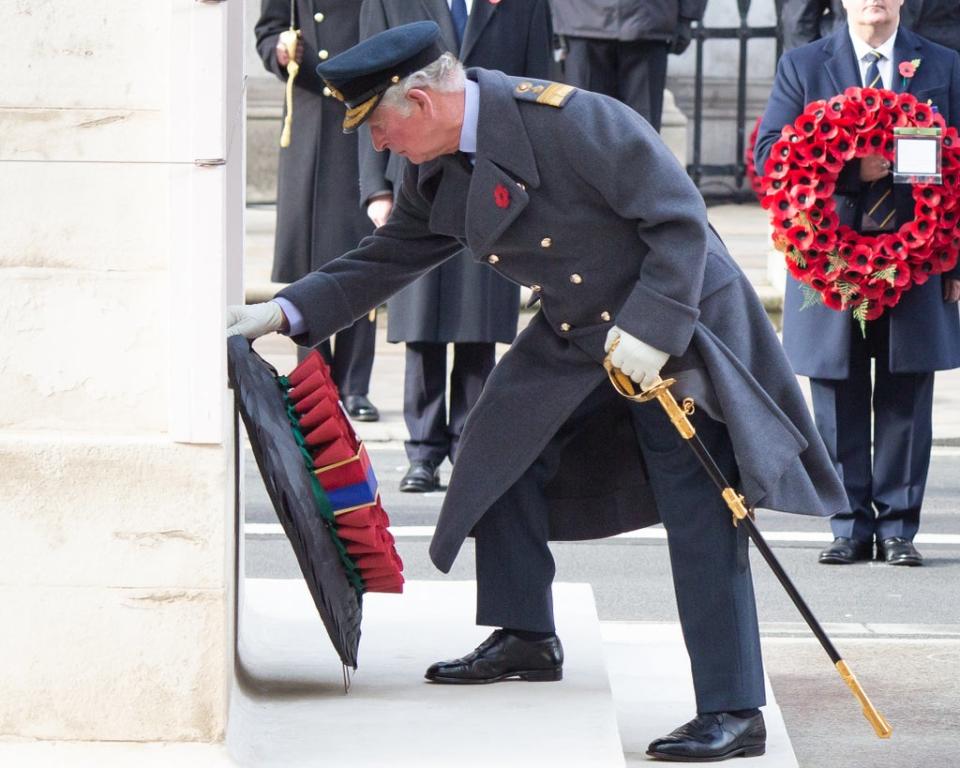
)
(461, 301)
(317, 185)
(587, 203)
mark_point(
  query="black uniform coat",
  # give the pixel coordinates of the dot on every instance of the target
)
(462, 301)
(317, 217)
(924, 330)
(623, 217)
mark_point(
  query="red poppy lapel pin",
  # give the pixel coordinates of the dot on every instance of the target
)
(501, 196)
(907, 70)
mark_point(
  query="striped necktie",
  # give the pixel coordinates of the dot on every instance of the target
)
(879, 206)
(872, 60)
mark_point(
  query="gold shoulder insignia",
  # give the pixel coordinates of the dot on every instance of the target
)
(544, 92)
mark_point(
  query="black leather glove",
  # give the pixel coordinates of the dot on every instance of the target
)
(682, 37)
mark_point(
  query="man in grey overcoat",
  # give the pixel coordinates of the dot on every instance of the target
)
(620, 47)
(575, 195)
(316, 218)
(461, 302)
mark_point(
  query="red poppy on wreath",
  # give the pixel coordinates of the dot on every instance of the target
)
(839, 267)
(501, 196)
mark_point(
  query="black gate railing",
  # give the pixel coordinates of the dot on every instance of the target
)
(698, 170)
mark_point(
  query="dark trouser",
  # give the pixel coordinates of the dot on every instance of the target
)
(433, 436)
(886, 489)
(708, 556)
(633, 71)
(351, 359)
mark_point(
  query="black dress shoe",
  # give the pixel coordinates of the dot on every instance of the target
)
(845, 551)
(500, 656)
(421, 477)
(898, 551)
(708, 738)
(360, 408)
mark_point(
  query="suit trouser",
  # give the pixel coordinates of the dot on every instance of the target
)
(886, 489)
(434, 436)
(351, 358)
(632, 71)
(708, 556)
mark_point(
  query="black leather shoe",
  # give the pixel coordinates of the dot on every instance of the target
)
(898, 551)
(421, 477)
(360, 408)
(845, 551)
(500, 656)
(708, 738)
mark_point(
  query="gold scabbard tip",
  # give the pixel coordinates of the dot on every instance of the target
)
(880, 726)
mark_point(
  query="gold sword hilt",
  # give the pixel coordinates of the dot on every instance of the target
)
(289, 40)
(679, 414)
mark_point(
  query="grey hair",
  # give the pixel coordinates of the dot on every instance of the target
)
(444, 75)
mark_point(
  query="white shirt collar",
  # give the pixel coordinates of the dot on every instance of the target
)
(861, 48)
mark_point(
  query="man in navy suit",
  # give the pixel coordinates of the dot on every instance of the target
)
(909, 342)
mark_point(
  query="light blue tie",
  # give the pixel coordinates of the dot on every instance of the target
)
(458, 10)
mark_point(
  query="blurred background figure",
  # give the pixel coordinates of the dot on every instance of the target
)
(317, 216)
(804, 21)
(620, 47)
(461, 302)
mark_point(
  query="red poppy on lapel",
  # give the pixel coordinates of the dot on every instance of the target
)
(501, 196)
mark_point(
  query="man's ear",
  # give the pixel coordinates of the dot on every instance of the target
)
(422, 101)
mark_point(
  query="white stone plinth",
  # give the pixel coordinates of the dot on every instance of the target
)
(295, 712)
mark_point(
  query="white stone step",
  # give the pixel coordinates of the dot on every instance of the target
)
(653, 691)
(298, 715)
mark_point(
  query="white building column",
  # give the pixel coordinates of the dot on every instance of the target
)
(118, 253)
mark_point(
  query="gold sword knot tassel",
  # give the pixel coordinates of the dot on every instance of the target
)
(289, 39)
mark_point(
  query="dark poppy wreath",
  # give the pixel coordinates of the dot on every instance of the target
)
(837, 266)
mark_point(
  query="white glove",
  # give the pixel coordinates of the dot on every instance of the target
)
(635, 358)
(254, 320)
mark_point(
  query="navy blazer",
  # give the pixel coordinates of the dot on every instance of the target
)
(924, 330)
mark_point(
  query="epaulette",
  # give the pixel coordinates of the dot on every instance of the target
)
(544, 92)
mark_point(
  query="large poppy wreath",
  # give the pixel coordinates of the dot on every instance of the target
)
(846, 270)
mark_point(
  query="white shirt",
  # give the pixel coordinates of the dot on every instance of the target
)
(885, 65)
(468, 2)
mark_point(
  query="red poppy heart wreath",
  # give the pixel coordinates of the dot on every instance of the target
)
(844, 269)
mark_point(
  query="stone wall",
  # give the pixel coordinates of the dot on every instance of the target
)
(116, 488)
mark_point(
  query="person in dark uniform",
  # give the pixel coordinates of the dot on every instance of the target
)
(804, 21)
(316, 220)
(620, 47)
(539, 181)
(885, 476)
(461, 302)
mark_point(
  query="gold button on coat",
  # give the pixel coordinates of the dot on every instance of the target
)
(564, 327)
(324, 54)
(546, 242)
(605, 316)
(318, 17)
(326, 91)
(493, 258)
(576, 279)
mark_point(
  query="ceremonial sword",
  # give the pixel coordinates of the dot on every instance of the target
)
(679, 414)
(289, 39)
